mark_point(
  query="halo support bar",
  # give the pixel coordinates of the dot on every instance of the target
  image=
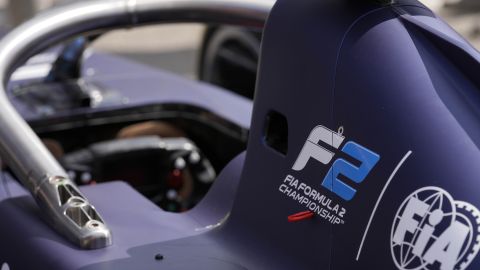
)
(69, 211)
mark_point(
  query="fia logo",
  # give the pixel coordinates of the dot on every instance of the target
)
(313, 150)
(432, 231)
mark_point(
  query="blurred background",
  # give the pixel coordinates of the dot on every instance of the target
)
(176, 47)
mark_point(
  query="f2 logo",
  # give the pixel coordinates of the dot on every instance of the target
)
(312, 149)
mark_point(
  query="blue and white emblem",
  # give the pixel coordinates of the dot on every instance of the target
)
(433, 231)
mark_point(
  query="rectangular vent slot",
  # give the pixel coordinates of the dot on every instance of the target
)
(276, 132)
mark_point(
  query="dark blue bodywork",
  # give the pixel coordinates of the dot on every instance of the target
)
(392, 78)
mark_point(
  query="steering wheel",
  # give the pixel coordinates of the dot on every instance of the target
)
(66, 208)
(171, 172)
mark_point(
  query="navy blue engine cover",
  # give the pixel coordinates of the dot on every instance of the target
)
(396, 179)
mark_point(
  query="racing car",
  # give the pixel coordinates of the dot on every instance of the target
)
(358, 151)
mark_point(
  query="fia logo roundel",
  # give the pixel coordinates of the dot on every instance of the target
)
(433, 231)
